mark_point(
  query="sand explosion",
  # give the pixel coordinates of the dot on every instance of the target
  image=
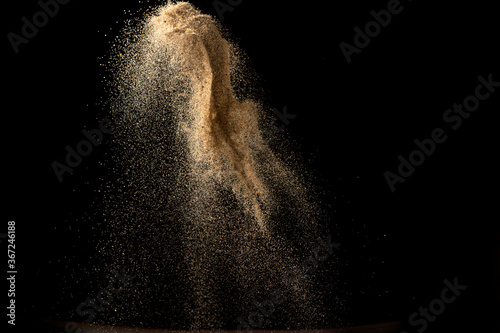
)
(210, 215)
(223, 131)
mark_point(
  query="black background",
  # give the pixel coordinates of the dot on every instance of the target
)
(353, 120)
